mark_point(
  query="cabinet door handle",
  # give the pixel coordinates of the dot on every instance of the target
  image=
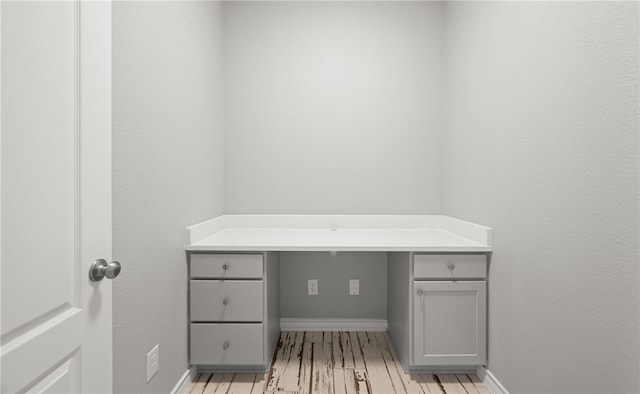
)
(225, 302)
(420, 292)
(451, 266)
(225, 345)
(225, 266)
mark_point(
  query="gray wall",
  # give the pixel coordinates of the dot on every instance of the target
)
(333, 272)
(167, 174)
(333, 107)
(541, 143)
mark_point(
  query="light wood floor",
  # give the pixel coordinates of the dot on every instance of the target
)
(336, 362)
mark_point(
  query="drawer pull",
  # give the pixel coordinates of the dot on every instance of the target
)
(225, 345)
(451, 266)
(420, 292)
(225, 266)
(225, 301)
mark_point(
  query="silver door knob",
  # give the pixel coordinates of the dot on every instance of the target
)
(225, 345)
(225, 302)
(451, 267)
(420, 292)
(100, 268)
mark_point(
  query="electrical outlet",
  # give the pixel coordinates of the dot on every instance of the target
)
(354, 287)
(312, 287)
(153, 362)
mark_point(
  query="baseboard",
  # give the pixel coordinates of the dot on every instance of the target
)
(185, 381)
(289, 324)
(494, 386)
(254, 369)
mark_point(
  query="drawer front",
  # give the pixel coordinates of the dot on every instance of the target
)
(449, 266)
(226, 300)
(226, 266)
(227, 344)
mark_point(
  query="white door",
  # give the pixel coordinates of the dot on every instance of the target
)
(56, 196)
(449, 323)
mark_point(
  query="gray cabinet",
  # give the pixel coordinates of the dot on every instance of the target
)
(227, 344)
(438, 309)
(234, 310)
(227, 300)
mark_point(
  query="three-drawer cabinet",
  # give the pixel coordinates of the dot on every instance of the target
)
(233, 309)
(437, 306)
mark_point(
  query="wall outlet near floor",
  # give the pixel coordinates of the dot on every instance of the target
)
(354, 287)
(153, 362)
(312, 287)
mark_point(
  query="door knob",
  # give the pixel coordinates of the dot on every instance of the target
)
(100, 268)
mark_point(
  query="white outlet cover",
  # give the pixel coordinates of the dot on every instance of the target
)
(354, 287)
(153, 362)
(312, 287)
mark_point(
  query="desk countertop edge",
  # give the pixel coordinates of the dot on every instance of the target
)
(474, 238)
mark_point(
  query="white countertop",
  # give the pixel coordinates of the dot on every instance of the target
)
(415, 233)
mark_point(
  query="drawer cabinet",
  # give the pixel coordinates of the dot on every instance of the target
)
(227, 266)
(449, 266)
(226, 300)
(234, 310)
(230, 344)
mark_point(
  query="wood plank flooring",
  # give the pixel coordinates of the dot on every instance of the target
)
(337, 363)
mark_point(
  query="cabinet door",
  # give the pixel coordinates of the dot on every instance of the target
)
(449, 323)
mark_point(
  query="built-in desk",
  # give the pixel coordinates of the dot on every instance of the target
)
(436, 284)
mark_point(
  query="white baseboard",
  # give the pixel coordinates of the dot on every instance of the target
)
(494, 386)
(185, 381)
(287, 324)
